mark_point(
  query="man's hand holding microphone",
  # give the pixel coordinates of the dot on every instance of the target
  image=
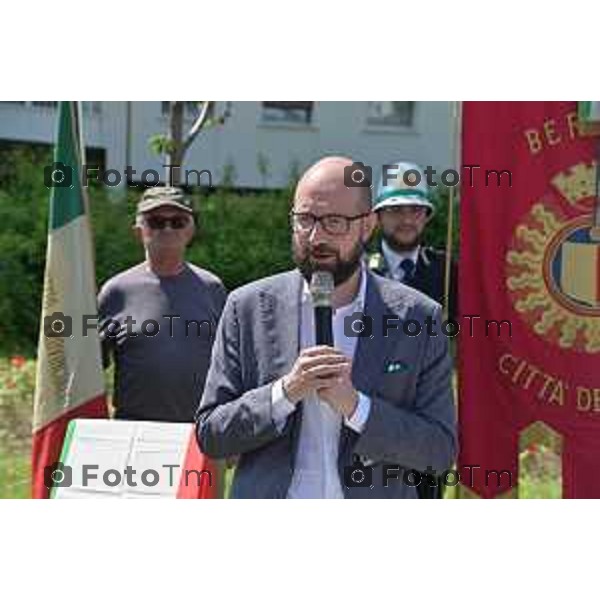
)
(327, 372)
(322, 369)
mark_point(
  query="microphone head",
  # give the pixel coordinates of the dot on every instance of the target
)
(321, 288)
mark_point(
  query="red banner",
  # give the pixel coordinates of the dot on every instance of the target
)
(529, 256)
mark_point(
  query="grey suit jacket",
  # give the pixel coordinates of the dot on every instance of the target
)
(409, 381)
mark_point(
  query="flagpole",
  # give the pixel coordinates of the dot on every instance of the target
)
(77, 113)
(456, 119)
(455, 132)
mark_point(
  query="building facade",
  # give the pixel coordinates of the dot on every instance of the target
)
(260, 145)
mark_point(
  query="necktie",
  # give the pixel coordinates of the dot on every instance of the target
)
(408, 268)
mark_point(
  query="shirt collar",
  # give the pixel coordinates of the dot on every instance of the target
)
(394, 258)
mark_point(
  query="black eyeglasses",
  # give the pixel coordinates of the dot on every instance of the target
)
(178, 222)
(332, 224)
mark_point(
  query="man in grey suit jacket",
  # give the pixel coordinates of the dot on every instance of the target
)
(318, 422)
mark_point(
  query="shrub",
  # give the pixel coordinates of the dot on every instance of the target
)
(241, 237)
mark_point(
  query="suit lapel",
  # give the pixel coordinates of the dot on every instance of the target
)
(371, 352)
(280, 310)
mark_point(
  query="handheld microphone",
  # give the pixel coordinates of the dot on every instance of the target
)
(321, 290)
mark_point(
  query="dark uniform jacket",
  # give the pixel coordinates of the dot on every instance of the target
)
(429, 276)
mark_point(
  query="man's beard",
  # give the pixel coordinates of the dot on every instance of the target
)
(398, 246)
(342, 270)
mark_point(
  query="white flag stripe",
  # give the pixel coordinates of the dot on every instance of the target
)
(69, 369)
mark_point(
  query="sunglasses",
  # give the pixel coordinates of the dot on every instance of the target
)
(178, 222)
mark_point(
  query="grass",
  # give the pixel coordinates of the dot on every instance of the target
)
(15, 476)
(548, 489)
(17, 377)
(541, 477)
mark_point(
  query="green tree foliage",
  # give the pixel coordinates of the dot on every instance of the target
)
(240, 237)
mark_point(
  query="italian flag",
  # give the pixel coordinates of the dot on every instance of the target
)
(589, 117)
(69, 379)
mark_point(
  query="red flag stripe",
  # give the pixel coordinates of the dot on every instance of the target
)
(48, 440)
(192, 486)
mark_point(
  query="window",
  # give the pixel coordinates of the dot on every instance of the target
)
(287, 112)
(392, 114)
(30, 103)
(94, 108)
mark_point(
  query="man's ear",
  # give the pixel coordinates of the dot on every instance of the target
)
(137, 232)
(193, 232)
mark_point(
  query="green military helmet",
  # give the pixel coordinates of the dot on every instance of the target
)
(402, 184)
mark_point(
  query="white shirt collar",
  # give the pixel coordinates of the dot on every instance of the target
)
(393, 258)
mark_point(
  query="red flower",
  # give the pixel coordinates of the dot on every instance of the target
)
(533, 448)
(17, 361)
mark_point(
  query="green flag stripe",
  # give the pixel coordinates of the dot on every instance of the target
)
(66, 449)
(66, 198)
(584, 109)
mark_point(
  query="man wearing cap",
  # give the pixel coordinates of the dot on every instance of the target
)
(158, 318)
(404, 208)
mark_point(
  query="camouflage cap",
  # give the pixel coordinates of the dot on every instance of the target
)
(156, 197)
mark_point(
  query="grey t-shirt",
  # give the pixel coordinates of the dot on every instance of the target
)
(159, 377)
